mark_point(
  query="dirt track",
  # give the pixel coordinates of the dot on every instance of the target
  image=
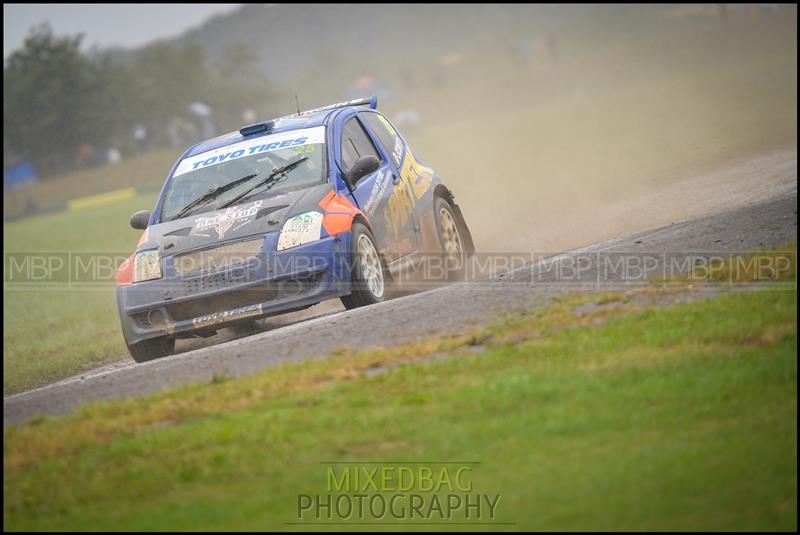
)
(741, 219)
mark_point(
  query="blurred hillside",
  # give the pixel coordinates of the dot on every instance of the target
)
(295, 40)
(319, 50)
(561, 105)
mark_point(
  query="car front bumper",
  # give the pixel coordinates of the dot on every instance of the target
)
(270, 284)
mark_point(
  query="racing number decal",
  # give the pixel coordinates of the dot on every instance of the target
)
(304, 149)
(415, 179)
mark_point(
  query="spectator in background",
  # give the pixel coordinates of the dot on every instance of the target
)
(249, 116)
(182, 132)
(140, 136)
(84, 155)
(201, 115)
(113, 155)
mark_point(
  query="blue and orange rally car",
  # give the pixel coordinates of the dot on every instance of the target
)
(327, 203)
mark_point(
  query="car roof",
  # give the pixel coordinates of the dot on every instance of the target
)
(306, 119)
(284, 124)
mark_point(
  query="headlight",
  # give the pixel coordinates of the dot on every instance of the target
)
(146, 266)
(300, 229)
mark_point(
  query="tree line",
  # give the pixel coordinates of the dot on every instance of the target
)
(57, 98)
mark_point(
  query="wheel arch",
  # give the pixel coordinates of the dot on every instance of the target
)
(359, 217)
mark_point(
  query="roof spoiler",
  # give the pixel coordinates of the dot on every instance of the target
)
(372, 102)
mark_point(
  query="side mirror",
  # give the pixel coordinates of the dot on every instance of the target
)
(139, 219)
(365, 165)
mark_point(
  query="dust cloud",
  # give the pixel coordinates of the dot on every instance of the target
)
(564, 136)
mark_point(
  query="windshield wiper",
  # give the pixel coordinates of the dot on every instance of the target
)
(213, 193)
(271, 178)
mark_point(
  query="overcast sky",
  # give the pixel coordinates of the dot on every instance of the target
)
(126, 25)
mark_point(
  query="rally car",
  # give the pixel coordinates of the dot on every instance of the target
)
(279, 216)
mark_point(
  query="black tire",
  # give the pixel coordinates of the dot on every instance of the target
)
(154, 348)
(452, 257)
(363, 293)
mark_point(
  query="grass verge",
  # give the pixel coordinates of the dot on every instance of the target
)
(612, 416)
(54, 331)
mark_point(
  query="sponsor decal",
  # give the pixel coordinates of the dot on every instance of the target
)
(293, 138)
(232, 218)
(300, 229)
(415, 179)
(217, 317)
(382, 181)
(397, 154)
(399, 146)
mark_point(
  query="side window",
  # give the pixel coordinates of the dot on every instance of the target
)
(388, 136)
(355, 143)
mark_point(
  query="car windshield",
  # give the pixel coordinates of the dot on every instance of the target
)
(196, 175)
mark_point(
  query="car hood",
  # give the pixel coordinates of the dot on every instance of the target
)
(256, 217)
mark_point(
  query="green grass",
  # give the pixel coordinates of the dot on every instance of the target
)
(101, 228)
(50, 333)
(145, 172)
(622, 418)
(775, 265)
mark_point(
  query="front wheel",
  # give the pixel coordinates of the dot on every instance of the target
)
(152, 349)
(367, 270)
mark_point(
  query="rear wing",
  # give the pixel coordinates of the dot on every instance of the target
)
(372, 102)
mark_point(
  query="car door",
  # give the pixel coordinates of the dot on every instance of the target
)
(412, 180)
(372, 193)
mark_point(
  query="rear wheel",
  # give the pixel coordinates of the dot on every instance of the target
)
(152, 349)
(453, 255)
(368, 272)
